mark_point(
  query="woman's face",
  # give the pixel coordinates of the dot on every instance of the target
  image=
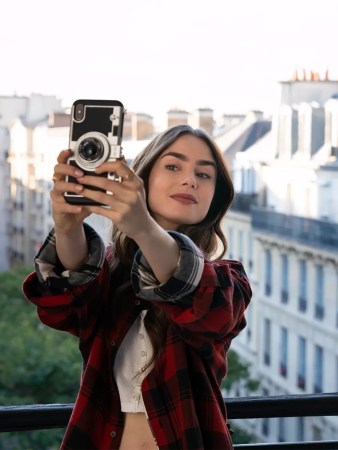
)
(182, 183)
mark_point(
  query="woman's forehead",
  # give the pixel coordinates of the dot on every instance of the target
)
(190, 147)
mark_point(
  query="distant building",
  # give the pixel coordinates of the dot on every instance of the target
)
(177, 117)
(32, 110)
(202, 118)
(137, 126)
(283, 226)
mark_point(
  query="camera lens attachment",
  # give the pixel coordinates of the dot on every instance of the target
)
(91, 150)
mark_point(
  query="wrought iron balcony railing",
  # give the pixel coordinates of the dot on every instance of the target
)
(37, 417)
(313, 232)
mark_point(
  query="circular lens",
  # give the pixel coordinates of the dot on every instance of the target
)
(91, 149)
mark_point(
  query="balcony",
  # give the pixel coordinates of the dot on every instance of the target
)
(315, 233)
(39, 417)
(243, 202)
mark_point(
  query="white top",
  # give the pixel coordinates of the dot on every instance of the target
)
(131, 358)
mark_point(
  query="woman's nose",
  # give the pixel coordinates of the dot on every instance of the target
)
(189, 180)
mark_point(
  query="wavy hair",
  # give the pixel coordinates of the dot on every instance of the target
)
(207, 234)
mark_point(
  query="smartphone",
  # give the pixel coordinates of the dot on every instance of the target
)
(96, 129)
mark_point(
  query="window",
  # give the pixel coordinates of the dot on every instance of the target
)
(316, 433)
(302, 296)
(265, 420)
(300, 429)
(240, 245)
(249, 323)
(268, 273)
(301, 369)
(231, 243)
(283, 362)
(250, 251)
(267, 342)
(281, 429)
(284, 279)
(319, 299)
(318, 369)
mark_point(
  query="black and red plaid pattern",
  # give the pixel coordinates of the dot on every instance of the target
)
(182, 393)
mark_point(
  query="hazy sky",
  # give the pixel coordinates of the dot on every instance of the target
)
(154, 55)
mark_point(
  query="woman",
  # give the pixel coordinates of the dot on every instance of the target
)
(154, 315)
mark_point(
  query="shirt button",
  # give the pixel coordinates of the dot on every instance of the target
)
(113, 434)
(136, 396)
(140, 336)
(137, 302)
(143, 353)
(113, 343)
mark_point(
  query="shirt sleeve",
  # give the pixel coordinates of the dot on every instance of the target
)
(54, 277)
(183, 282)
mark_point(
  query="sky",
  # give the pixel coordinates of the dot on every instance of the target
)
(155, 55)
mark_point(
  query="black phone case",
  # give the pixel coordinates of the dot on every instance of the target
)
(96, 118)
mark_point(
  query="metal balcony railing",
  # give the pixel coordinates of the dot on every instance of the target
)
(313, 232)
(38, 417)
(244, 202)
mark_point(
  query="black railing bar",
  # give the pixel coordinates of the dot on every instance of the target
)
(318, 445)
(311, 405)
(33, 417)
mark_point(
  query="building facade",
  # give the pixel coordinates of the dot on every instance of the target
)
(284, 227)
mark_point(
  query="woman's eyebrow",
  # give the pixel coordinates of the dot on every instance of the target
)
(200, 162)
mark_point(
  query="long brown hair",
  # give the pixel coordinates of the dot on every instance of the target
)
(207, 234)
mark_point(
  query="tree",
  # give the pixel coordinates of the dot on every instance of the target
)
(238, 376)
(37, 364)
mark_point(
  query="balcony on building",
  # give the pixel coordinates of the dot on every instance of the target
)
(244, 202)
(312, 232)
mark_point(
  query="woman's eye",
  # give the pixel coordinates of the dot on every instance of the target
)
(171, 167)
(203, 175)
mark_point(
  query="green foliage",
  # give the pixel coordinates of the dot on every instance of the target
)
(238, 374)
(37, 364)
(240, 436)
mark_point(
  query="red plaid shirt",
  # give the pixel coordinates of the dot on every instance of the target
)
(182, 392)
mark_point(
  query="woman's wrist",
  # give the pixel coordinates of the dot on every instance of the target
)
(71, 248)
(160, 250)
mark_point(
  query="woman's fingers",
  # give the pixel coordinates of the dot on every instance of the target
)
(64, 155)
(120, 168)
(63, 186)
(62, 169)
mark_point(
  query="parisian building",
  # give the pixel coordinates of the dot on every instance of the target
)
(283, 226)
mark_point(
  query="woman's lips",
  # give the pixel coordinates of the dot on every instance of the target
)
(186, 199)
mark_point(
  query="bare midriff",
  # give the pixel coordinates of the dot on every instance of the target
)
(137, 434)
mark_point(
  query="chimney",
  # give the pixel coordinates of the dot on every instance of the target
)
(202, 118)
(176, 117)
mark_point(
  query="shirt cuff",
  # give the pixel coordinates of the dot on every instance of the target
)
(181, 284)
(50, 271)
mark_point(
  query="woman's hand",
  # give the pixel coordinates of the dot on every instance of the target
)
(67, 218)
(126, 207)
(125, 201)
